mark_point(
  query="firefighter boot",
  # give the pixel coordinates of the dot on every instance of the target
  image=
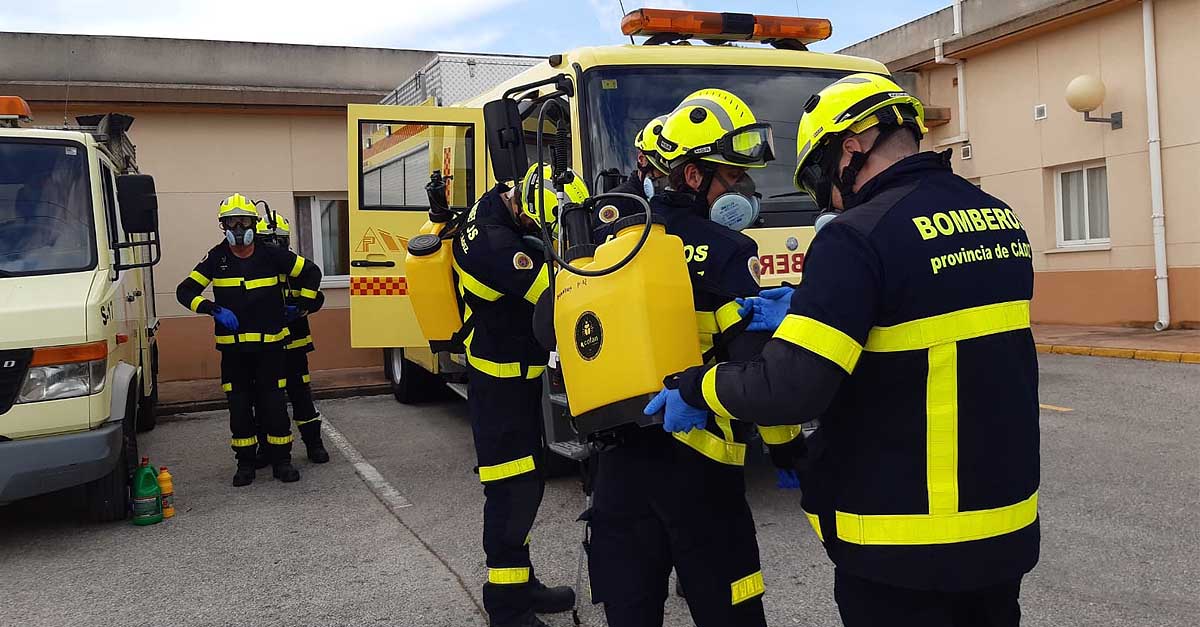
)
(548, 600)
(284, 471)
(244, 475)
(310, 432)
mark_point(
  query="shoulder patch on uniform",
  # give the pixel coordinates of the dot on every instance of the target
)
(522, 261)
(755, 268)
(609, 214)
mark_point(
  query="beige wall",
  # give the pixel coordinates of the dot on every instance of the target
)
(1015, 157)
(198, 157)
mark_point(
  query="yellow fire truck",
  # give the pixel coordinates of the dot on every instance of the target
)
(610, 93)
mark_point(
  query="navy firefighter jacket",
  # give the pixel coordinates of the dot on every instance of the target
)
(909, 336)
(500, 278)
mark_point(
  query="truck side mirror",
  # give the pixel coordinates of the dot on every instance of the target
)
(505, 139)
(139, 203)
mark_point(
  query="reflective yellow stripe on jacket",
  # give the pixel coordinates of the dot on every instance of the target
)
(944, 523)
(500, 370)
(252, 337)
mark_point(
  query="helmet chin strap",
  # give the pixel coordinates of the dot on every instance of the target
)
(858, 160)
(701, 204)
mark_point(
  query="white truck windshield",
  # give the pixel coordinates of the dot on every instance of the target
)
(620, 101)
(46, 223)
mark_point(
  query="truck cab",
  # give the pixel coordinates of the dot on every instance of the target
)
(78, 358)
(608, 94)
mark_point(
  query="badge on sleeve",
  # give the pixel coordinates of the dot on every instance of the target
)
(755, 269)
(609, 214)
(522, 261)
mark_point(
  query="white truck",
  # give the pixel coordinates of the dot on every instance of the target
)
(78, 356)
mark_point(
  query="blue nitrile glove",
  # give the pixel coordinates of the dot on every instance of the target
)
(768, 310)
(225, 318)
(787, 479)
(679, 416)
(290, 313)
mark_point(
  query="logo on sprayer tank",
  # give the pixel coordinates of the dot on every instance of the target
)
(589, 336)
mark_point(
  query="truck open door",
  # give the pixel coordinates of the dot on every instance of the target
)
(392, 151)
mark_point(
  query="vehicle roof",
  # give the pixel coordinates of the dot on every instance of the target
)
(82, 137)
(666, 55)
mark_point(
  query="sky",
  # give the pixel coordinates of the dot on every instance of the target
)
(537, 27)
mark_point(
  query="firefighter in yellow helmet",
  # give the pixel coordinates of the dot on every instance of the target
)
(275, 230)
(910, 338)
(661, 500)
(649, 178)
(500, 278)
(251, 331)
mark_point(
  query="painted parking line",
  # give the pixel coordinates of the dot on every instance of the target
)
(1055, 408)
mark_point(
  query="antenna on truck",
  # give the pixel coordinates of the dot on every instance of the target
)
(621, 3)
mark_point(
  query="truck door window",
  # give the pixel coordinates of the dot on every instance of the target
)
(397, 158)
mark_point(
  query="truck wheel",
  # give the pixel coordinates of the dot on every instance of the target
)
(147, 417)
(402, 374)
(107, 498)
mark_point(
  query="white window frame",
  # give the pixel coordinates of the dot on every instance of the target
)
(1091, 242)
(314, 230)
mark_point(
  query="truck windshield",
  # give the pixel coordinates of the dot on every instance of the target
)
(620, 101)
(45, 208)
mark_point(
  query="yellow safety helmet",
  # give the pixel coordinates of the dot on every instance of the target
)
(237, 205)
(281, 226)
(576, 191)
(646, 141)
(716, 126)
(855, 104)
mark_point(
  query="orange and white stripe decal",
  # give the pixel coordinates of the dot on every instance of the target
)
(378, 286)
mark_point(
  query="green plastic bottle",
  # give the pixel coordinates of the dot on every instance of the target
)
(147, 496)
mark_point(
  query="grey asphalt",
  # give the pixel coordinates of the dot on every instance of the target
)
(1120, 505)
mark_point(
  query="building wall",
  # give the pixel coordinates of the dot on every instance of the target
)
(1015, 157)
(197, 158)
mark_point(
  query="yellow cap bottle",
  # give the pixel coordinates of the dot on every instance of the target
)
(166, 483)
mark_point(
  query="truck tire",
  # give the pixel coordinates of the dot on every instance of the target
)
(107, 498)
(410, 382)
(147, 417)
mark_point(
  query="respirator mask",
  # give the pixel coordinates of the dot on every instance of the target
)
(239, 231)
(738, 208)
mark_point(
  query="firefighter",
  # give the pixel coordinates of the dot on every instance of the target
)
(910, 337)
(250, 331)
(649, 178)
(500, 278)
(663, 500)
(275, 230)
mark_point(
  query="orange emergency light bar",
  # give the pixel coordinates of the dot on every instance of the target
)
(725, 26)
(14, 108)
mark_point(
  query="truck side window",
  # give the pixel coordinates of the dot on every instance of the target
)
(116, 234)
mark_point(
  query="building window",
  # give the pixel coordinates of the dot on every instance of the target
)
(322, 224)
(1082, 205)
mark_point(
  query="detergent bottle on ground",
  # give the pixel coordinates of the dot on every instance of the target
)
(147, 496)
(166, 487)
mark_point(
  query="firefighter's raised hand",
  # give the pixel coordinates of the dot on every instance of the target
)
(225, 318)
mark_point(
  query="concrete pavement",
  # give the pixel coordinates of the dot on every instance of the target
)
(1120, 497)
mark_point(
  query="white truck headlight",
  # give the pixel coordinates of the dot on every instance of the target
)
(65, 372)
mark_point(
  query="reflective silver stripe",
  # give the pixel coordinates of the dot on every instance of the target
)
(722, 117)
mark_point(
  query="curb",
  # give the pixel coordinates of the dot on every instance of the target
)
(1176, 357)
(168, 412)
